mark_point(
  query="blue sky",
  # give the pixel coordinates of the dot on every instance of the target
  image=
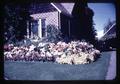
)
(102, 13)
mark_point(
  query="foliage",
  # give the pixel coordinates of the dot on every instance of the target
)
(74, 52)
(108, 44)
(53, 34)
(82, 23)
(15, 19)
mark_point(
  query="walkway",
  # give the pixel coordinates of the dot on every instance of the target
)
(111, 74)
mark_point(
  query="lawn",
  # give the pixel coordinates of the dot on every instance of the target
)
(19, 70)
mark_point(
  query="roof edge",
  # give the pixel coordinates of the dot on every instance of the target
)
(56, 7)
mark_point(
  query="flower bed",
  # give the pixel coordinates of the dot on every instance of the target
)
(74, 52)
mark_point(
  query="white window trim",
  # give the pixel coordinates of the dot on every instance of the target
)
(40, 28)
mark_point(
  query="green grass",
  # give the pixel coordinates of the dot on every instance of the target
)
(54, 71)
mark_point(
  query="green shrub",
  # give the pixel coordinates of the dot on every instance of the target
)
(53, 34)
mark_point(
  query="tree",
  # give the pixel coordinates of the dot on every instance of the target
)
(82, 22)
(10, 22)
(15, 21)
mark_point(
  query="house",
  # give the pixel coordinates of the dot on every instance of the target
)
(109, 32)
(43, 15)
(109, 37)
(70, 18)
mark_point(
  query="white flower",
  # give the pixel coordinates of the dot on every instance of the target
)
(41, 44)
(97, 51)
(28, 54)
(55, 52)
(60, 53)
(43, 54)
(48, 54)
(59, 43)
(85, 43)
(73, 53)
(91, 57)
(91, 46)
(31, 47)
(5, 53)
(10, 45)
(63, 55)
(16, 52)
(8, 54)
(34, 40)
(64, 60)
(79, 60)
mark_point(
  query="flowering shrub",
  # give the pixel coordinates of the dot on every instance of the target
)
(74, 52)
